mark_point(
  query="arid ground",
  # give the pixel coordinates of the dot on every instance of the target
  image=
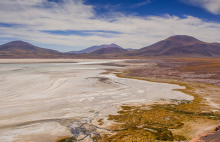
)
(175, 120)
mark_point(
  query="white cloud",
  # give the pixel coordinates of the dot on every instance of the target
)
(142, 3)
(212, 6)
(136, 32)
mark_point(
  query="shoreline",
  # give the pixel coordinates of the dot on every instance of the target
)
(101, 121)
(209, 109)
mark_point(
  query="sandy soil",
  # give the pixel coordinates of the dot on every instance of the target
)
(207, 137)
(53, 100)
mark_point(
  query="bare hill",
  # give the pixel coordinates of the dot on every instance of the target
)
(21, 49)
(94, 48)
(179, 46)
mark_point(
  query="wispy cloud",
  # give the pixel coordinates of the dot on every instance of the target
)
(142, 3)
(28, 20)
(212, 6)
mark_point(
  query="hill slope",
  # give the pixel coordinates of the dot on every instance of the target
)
(20, 49)
(179, 46)
(109, 50)
(94, 48)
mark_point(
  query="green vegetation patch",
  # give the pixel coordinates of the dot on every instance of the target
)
(155, 124)
(66, 140)
(100, 121)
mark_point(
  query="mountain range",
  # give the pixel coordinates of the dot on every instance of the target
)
(94, 48)
(174, 46)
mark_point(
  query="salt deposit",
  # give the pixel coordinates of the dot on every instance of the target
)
(35, 98)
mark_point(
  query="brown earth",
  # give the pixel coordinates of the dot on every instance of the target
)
(188, 69)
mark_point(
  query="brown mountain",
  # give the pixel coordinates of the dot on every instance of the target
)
(179, 46)
(109, 50)
(20, 49)
(94, 48)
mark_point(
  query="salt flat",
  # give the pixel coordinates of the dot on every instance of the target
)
(42, 101)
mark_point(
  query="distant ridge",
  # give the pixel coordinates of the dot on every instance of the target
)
(94, 48)
(179, 46)
(25, 46)
(21, 49)
(130, 49)
(109, 50)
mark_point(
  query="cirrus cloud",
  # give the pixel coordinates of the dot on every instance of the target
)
(212, 6)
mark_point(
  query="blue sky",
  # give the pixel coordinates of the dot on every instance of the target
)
(67, 25)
